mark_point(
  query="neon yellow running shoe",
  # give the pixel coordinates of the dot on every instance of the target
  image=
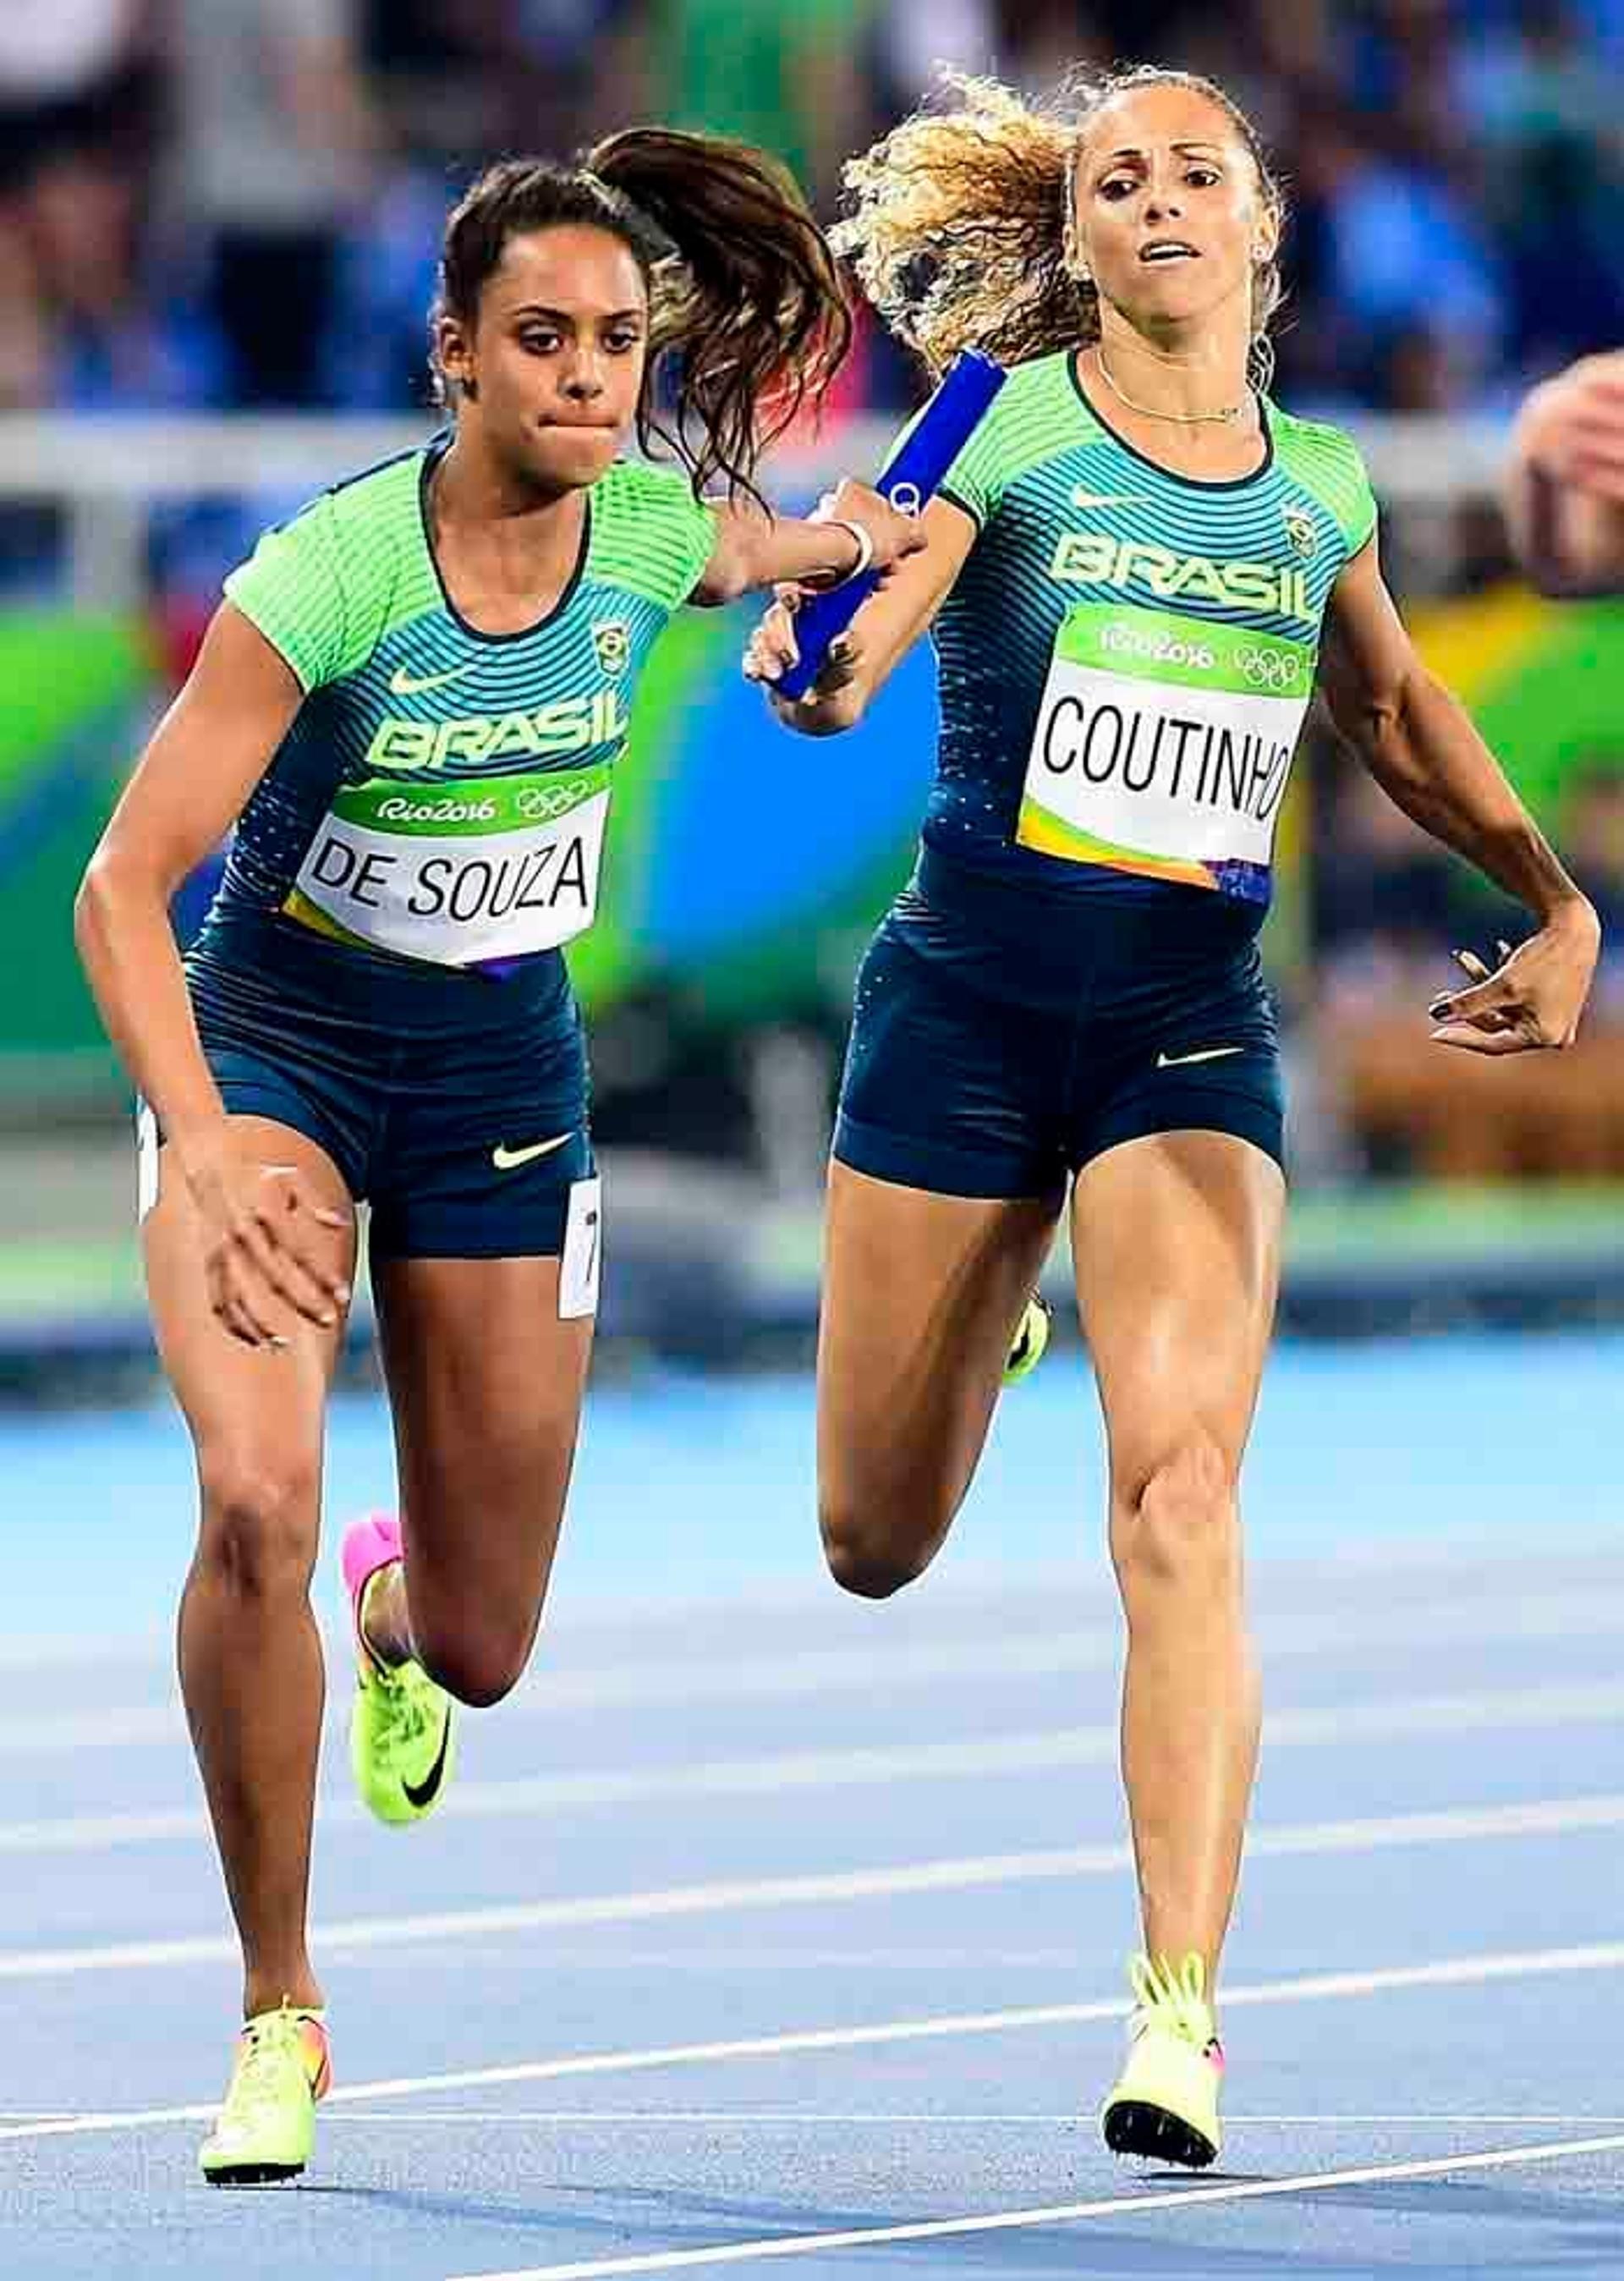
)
(265, 2129)
(1165, 2106)
(1027, 1346)
(403, 1733)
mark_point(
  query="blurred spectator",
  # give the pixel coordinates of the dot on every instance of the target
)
(25, 342)
(62, 64)
(114, 343)
(787, 78)
(1389, 906)
(1549, 119)
(1457, 166)
(277, 138)
(1402, 251)
(1383, 895)
(1593, 849)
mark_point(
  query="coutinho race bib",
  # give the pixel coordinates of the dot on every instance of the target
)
(459, 873)
(1163, 746)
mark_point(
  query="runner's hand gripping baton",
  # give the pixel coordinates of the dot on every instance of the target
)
(918, 465)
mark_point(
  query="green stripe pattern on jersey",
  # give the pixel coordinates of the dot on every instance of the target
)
(1127, 654)
(442, 793)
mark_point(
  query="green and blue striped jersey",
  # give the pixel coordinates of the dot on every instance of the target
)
(415, 803)
(1126, 654)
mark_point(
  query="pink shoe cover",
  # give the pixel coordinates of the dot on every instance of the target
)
(369, 1544)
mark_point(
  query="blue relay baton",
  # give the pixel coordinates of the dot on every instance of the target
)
(913, 474)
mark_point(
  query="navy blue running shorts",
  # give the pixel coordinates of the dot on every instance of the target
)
(999, 1044)
(456, 1104)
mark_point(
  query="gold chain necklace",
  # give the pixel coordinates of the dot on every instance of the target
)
(1227, 418)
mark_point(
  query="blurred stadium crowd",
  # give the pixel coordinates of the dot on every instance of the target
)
(236, 202)
(236, 205)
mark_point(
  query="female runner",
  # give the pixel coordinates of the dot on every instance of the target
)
(411, 702)
(1138, 570)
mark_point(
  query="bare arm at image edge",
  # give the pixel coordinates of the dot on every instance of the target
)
(1564, 488)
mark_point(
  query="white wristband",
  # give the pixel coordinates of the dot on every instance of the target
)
(865, 548)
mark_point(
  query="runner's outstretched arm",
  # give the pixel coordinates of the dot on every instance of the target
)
(1418, 741)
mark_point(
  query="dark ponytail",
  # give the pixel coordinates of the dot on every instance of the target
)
(748, 320)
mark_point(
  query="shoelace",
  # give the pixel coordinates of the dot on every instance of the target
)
(268, 2043)
(1175, 1996)
(412, 1713)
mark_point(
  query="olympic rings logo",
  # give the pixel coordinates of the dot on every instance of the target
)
(538, 805)
(1268, 669)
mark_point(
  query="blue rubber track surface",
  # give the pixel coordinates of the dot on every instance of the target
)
(767, 1927)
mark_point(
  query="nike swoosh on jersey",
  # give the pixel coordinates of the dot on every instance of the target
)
(404, 682)
(1111, 499)
(423, 1793)
(509, 1160)
(1206, 1054)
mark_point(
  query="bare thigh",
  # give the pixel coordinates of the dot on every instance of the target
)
(1176, 1243)
(485, 1384)
(254, 1414)
(921, 1297)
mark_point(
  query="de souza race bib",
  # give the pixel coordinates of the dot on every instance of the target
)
(1163, 746)
(459, 873)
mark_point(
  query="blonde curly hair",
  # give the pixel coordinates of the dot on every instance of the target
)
(961, 228)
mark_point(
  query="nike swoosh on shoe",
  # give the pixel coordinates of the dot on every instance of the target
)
(423, 1794)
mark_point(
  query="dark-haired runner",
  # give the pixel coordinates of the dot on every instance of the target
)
(411, 705)
(1131, 572)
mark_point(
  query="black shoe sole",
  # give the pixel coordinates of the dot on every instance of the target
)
(1132, 2127)
(255, 2174)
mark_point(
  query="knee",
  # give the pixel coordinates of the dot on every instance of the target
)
(1178, 1518)
(476, 1662)
(261, 1515)
(866, 1556)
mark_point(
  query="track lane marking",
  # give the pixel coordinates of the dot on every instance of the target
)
(1249, 2190)
(792, 1673)
(1444, 1971)
(1311, 1727)
(1451, 1826)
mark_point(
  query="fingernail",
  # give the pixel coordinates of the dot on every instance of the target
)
(340, 1292)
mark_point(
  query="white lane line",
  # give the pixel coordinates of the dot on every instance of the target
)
(1251, 2190)
(1328, 1726)
(1453, 1826)
(801, 2118)
(1444, 1971)
(791, 1673)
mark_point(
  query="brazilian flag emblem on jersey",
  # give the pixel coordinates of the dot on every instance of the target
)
(1300, 531)
(612, 638)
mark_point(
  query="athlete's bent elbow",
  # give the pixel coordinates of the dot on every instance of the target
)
(91, 907)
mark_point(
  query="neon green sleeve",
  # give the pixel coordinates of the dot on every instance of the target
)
(1361, 524)
(650, 532)
(290, 588)
(1329, 463)
(976, 479)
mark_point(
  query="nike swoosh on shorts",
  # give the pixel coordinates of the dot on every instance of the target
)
(509, 1160)
(1205, 1054)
